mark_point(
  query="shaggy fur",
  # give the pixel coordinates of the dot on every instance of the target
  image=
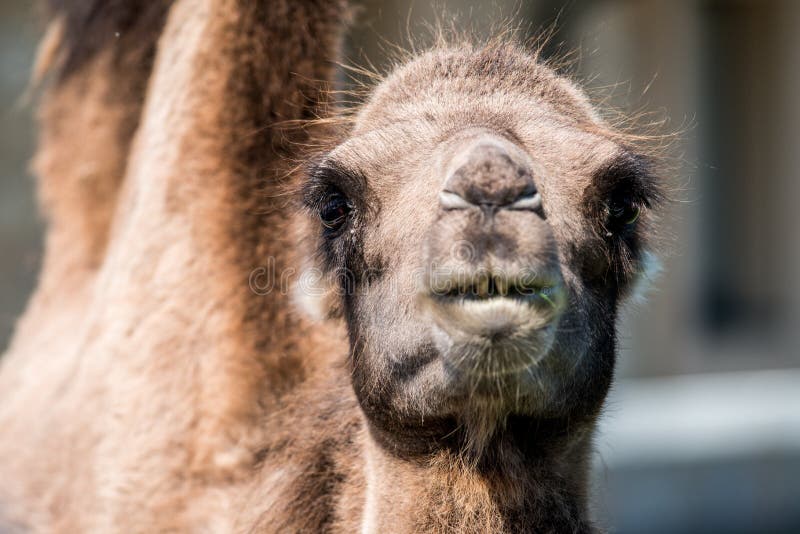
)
(149, 388)
(134, 389)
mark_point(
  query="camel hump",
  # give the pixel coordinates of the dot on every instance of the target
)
(93, 69)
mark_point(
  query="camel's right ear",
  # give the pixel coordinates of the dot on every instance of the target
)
(316, 295)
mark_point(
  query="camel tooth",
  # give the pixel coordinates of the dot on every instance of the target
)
(502, 286)
(441, 286)
(483, 286)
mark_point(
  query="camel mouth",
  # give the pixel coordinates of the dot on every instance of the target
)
(493, 306)
(491, 287)
(483, 286)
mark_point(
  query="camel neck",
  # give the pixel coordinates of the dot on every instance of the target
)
(511, 489)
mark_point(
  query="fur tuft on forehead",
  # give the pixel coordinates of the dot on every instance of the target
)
(443, 75)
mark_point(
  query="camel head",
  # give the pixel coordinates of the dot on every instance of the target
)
(481, 224)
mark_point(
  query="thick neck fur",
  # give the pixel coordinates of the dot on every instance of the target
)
(323, 470)
(517, 485)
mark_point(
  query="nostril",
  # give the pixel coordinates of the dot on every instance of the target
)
(453, 201)
(491, 174)
(529, 201)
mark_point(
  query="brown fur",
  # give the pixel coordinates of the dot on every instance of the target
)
(148, 388)
(163, 338)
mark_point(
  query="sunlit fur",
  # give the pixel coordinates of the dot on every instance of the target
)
(187, 145)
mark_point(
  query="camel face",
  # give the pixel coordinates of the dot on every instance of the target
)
(482, 223)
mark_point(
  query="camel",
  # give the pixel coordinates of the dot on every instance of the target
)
(457, 249)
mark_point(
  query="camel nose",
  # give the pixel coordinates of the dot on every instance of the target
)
(490, 176)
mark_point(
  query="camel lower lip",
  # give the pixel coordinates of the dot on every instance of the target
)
(495, 316)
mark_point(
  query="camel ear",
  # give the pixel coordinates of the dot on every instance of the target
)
(316, 295)
(649, 270)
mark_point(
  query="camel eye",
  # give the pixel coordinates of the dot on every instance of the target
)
(623, 212)
(334, 211)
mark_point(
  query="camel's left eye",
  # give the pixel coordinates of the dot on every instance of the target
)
(623, 212)
(334, 211)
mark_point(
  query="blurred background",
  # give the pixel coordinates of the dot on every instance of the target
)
(702, 431)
